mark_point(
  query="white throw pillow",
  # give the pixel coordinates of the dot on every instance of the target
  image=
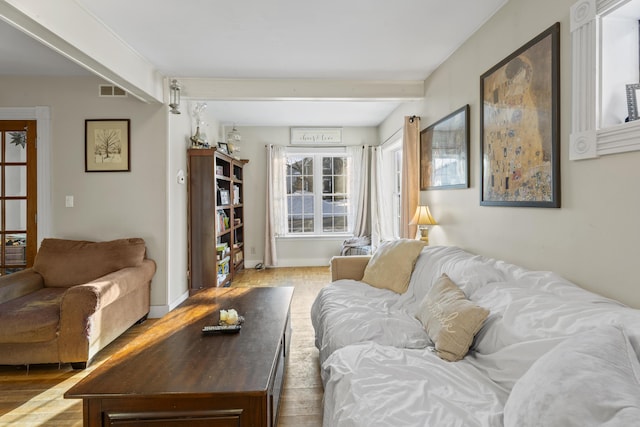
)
(590, 379)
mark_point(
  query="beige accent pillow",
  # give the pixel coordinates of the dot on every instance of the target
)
(64, 263)
(391, 265)
(450, 319)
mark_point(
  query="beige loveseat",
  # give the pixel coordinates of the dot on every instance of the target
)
(78, 297)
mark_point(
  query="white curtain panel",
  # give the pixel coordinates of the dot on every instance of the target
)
(381, 209)
(276, 224)
(359, 191)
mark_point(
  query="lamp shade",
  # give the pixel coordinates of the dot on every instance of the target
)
(423, 216)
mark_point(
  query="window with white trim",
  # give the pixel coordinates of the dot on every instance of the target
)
(317, 192)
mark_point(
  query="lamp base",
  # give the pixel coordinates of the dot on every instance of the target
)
(423, 234)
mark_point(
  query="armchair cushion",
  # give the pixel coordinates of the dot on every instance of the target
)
(31, 318)
(65, 263)
(19, 283)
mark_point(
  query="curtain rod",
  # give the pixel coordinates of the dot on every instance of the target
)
(390, 137)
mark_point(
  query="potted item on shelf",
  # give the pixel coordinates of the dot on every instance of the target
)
(236, 195)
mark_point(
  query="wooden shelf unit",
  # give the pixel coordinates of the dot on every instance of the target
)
(215, 217)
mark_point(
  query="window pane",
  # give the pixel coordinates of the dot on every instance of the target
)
(295, 225)
(15, 147)
(340, 205)
(308, 204)
(327, 184)
(16, 214)
(294, 166)
(15, 249)
(294, 205)
(327, 206)
(308, 166)
(340, 184)
(334, 210)
(297, 184)
(309, 226)
(307, 184)
(327, 224)
(340, 223)
(326, 166)
(16, 181)
(339, 164)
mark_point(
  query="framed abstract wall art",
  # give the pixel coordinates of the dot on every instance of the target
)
(520, 124)
(444, 152)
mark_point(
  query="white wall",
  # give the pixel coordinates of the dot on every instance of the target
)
(181, 127)
(593, 239)
(293, 251)
(107, 205)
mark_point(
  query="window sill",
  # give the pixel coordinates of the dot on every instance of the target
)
(316, 237)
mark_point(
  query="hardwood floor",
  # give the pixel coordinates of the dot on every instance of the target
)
(301, 404)
(32, 396)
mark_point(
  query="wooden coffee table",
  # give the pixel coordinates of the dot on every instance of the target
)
(174, 376)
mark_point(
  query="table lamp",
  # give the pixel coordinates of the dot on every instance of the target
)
(423, 218)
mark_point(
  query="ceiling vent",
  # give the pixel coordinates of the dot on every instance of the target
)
(111, 91)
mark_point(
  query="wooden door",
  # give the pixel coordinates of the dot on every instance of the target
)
(18, 195)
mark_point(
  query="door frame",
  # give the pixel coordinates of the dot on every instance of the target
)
(42, 115)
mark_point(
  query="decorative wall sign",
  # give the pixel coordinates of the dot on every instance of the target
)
(106, 145)
(519, 126)
(313, 136)
(444, 152)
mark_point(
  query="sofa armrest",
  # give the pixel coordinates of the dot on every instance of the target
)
(82, 309)
(106, 289)
(348, 267)
(20, 283)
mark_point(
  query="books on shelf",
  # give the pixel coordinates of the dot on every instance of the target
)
(222, 250)
(238, 257)
(222, 221)
(223, 265)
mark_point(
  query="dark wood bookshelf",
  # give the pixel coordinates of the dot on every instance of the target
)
(215, 217)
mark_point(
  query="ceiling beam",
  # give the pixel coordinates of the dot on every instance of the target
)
(300, 89)
(67, 28)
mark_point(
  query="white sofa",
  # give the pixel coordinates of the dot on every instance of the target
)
(549, 353)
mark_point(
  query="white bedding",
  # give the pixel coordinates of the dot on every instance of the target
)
(347, 312)
(376, 365)
(372, 385)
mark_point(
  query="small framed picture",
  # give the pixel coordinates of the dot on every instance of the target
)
(106, 145)
(224, 197)
(222, 146)
(444, 152)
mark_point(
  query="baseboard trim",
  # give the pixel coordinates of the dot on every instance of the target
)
(157, 311)
(293, 262)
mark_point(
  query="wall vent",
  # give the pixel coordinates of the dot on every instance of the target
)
(111, 91)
